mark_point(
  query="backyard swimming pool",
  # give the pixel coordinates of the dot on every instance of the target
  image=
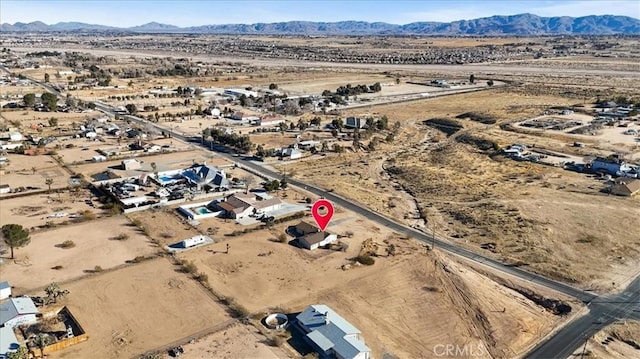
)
(202, 210)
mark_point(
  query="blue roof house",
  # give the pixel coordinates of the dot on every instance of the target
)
(331, 335)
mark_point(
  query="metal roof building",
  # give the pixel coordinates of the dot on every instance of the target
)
(331, 335)
(8, 341)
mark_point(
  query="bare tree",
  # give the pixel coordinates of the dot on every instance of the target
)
(248, 181)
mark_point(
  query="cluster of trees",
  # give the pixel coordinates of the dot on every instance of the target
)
(44, 54)
(128, 97)
(241, 143)
(275, 185)
(349, 90)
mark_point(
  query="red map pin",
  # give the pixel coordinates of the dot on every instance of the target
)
(322, 212)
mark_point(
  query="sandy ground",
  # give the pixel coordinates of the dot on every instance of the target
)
(94, 246)
(164, 162)
(19, 172)
(540, 215)
(138, 308)
(237, 341)
(614, 342)
(32, 211)
(30, 117)
(260, 273)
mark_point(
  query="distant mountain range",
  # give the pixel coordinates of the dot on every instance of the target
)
(522, 25)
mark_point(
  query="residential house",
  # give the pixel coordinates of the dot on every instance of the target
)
(626, 187)
(240, 205)
(291, 153)
(206, 177)
(311, 237)
(330, 335)
(236, 207)
(5, 188)
(612, 165)
(355, 122)
(238, 116)
(18, 311)
(270, 120)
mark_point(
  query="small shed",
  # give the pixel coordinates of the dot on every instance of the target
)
(5, 290)
(626, 187)
(131, 164)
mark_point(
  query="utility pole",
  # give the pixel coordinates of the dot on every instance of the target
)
(584, 348)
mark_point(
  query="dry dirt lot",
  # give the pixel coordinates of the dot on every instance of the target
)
(138, 308)
(617, 341)
(237, 341)
(94, 246)
(164, 162)
(20, 172)
(464, 307)
(32, 211)
(30, 117)
(553, 221)
(164, 226)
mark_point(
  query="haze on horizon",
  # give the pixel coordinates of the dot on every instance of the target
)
(194, 13)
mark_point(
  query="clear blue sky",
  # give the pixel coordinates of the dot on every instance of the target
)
(202, 12)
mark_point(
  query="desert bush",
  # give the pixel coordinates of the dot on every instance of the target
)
(237, 310)
(202, 277)
(190, 267)
(282, 238)
(275, 340)
(97, 269)
(365, 259)
(348, 234)
(121, 237)
(58, 267)
(67, 244)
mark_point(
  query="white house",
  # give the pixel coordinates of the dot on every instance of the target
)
(291, 153)
(331, 335)
(131, 164)
(5, 290)
(8, 341)
(98, 158)
(15, 136)
(4, 188)
(18, 311)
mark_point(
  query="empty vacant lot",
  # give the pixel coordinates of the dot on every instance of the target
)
(138, 308)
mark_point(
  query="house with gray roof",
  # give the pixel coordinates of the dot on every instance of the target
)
(331, 335)
(203, 175)
(17, 311)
